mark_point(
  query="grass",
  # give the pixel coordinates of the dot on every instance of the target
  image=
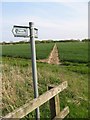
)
(24, 50)
(73, 52)
(17, 77)
(77, 67)
(76, 52)
(18, 87)
(68, 51)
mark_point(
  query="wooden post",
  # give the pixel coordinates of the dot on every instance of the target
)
(62, 114)
(54, 104)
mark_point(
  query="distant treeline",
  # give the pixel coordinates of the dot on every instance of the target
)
(45, 41)
(86, 40)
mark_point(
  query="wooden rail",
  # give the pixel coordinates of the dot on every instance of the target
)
(51, 95)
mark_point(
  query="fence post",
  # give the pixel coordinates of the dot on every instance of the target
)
(54, 104)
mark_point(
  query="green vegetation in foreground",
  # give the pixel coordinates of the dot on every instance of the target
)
(18, 86)
(76, 52)
(24, 50)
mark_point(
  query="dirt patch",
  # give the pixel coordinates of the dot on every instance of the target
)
(53, 58)
(43, 60)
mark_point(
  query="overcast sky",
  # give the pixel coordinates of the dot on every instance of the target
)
(55, 20)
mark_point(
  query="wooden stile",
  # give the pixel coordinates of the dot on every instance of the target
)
(35, 103)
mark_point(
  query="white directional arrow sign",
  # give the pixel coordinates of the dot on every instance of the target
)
(20, 31)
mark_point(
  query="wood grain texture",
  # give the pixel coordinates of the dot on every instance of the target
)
(32, 105)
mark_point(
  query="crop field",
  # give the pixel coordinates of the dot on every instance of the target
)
(73, 52)
(76, 52)
(24, 50)
(17, 84)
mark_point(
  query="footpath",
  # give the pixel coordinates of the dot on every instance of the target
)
(53, 57)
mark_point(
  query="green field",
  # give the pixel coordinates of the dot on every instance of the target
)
(73, 52)
(74, 55)
(17, 82)
(24, 50)
(76, 52)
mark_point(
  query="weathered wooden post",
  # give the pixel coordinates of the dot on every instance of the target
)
(54, 104)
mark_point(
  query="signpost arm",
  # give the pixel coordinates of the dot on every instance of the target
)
(34, 68)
